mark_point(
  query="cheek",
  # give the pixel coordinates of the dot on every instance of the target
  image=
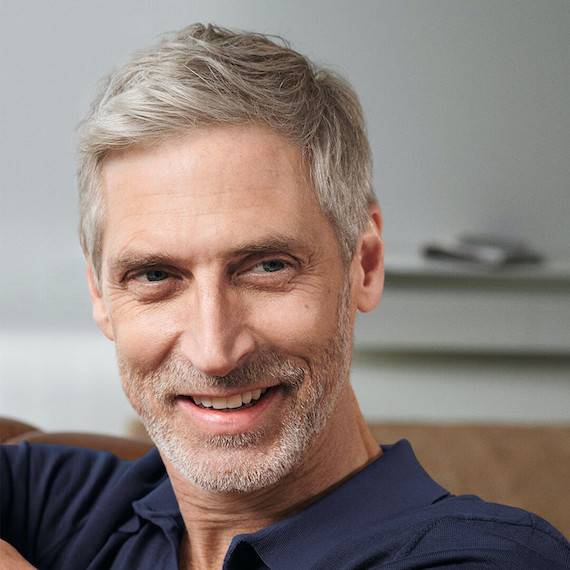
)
(143, 336)
(301, 323)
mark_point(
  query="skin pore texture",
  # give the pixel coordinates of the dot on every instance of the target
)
(223, 289)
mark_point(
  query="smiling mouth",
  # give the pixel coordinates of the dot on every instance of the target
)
(231, 403)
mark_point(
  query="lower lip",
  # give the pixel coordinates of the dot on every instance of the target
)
(217, 422)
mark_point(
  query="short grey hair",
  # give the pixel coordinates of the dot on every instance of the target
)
(206, 75)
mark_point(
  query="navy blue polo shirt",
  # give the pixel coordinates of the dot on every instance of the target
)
(77, 509)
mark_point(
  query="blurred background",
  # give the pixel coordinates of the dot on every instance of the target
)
(468, 114)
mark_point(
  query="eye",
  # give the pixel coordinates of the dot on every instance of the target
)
(269, 266)
(152, 276)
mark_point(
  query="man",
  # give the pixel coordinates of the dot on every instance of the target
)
(231, 235)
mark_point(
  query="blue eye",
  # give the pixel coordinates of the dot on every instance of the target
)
(153, 275)
(273, 265)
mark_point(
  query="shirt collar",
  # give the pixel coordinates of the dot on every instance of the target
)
(159, 506)
(393, 484)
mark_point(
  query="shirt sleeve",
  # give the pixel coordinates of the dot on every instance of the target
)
(502, 537)
(47, 492)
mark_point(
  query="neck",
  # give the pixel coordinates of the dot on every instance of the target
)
(212, 519)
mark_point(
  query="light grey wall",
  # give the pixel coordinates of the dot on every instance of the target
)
(467, 104)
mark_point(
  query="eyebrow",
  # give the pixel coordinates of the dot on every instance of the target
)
(279, 243)
(134, 260)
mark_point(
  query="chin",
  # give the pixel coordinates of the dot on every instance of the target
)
(239, 463)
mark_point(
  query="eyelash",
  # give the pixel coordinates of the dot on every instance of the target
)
(149, 271)
(283, 265)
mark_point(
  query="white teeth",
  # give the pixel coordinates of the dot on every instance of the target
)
(219, 403)
(229, 403)
(234, 401)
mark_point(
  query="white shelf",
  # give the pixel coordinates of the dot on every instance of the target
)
(452, 307)
(409, 264)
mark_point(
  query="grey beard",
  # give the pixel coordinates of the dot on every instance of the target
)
(243, 462)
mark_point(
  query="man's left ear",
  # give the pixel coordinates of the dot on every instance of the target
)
(368, 264)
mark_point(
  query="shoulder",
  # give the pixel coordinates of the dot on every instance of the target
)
(465, 531)
(60, 471)
(492, 529)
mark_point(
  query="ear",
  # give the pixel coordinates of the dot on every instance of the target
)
(100, 315)
(368, 264)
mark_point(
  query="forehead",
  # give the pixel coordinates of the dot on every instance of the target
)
(224, 183)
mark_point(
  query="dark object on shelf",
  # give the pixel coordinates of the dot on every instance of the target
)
(481, 249)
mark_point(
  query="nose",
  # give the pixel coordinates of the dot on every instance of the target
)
(216, 337)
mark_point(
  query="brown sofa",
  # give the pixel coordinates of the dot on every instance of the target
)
(523, 466)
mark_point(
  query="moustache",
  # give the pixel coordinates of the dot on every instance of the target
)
(177, 375)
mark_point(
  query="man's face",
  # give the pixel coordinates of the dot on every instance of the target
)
(223, 288)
